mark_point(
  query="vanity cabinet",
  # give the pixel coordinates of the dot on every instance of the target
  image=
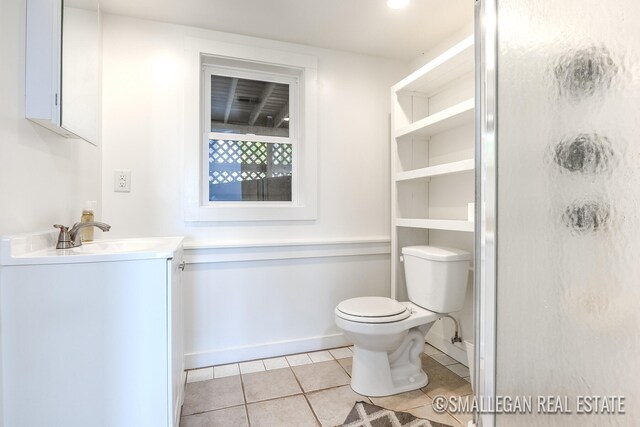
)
(93, 343)
(63, 64)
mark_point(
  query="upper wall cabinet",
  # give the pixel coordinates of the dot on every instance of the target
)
(63, 63)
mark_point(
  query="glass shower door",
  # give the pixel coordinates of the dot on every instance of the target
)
(559, 183)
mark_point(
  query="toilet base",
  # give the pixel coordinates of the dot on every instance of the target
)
(380, 373)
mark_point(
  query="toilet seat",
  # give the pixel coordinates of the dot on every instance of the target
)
(372, 310)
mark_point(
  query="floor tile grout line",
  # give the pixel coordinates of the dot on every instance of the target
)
(456, 418)
(282, 397)
(299, 354)
(246, 411)
(307, 394)
(274, 398)
(304, 393)
(295, 394)
(445, 366)
(312, 362)
(312, 411)
(343, 368)
(213, 410)
(328, 350)
(297, 380)
(295, 376)
(290, 368)
(277, 357)
(244, 397)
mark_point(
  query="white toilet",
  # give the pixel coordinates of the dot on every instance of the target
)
(389, 335)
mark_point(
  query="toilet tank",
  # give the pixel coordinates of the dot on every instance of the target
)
(436, 277)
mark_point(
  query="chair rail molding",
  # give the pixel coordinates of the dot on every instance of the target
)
(215, 252)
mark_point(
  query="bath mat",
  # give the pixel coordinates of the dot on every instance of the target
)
(365, 414)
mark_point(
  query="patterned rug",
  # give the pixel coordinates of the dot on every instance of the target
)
(366, 415)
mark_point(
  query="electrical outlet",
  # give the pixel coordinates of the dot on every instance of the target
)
(122, 181)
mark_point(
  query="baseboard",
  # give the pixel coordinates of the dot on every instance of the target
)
(262, 351)
(281, 348)
(457, 351)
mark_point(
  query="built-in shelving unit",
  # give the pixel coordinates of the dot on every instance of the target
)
(432, 146)
(436, 224)
(438, 170)
(439, 122)
(432, 77)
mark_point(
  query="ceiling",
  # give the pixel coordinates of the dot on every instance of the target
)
(245, 105)
(363, 26)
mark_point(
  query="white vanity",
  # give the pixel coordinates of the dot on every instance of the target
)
(91, 336)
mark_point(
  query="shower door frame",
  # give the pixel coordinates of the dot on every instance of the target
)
(485, 277)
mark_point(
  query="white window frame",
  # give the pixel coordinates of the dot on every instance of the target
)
(302, 133)
(209, 70)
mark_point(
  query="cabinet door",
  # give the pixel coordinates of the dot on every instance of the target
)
(63, 67)
(85, 344)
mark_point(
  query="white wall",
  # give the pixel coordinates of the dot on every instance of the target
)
(143, 114)
(143, 131)
(248, 310)
(455, 37)
(44, 178)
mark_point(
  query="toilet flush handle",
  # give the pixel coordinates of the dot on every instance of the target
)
(401, 258)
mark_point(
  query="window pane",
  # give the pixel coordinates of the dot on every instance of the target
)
(249, 171)
(246, 106)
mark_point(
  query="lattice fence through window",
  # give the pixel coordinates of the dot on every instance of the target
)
(237, 161)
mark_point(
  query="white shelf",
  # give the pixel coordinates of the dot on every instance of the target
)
(438, 170)
(436, 224)
(443, 82)
(441, 121)
(451, 65)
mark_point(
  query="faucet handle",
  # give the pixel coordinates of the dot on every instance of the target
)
(64, 240)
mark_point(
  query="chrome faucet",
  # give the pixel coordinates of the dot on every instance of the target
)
(70, 238)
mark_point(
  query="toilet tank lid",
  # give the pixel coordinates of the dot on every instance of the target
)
(437, 253)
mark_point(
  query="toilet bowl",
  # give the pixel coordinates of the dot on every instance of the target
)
(387, 352)
(388, 335)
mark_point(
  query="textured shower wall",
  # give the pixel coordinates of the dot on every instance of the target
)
(569, 203)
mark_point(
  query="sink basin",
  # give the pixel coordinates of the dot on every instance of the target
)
(119, 246)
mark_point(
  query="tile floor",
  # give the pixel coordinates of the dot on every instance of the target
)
(309, 389)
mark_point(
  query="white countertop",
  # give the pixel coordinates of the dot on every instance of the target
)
(40, 248)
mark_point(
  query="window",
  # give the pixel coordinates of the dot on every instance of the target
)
(250, 146)
(250, 133)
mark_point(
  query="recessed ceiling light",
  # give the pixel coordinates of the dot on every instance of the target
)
(397, 4)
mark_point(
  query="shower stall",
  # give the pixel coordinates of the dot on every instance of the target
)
(558, 210)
